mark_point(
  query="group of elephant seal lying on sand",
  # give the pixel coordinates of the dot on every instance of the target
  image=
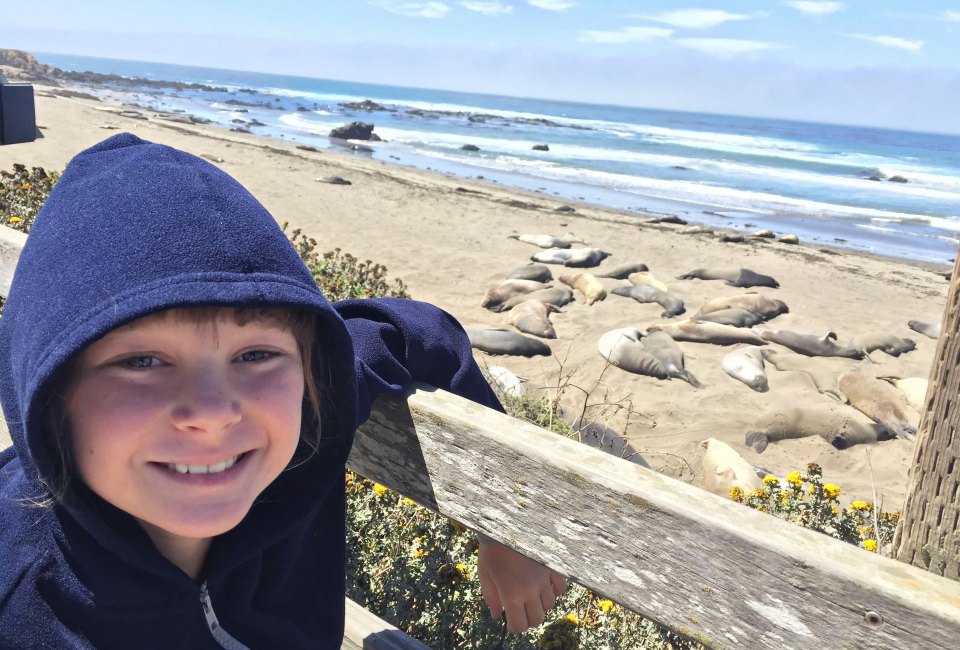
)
(493, 340)
(576, 257)
(672, 306)
(654, 355)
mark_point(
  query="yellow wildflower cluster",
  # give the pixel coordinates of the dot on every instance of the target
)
(15, 219)
(605, 606)
(831, 491)
(870, 545)
(736, 493)
(453, 574)
(770, 480)
(793, 478)
(862, 506)
(408, 501)
(572, 618)
(560, 635)
(759, 493)
(380, 490)
(464, 570)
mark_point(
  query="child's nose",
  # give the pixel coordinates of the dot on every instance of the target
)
(206, 402)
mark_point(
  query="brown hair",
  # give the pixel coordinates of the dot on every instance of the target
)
(300, 322)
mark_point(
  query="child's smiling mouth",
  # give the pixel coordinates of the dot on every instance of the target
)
(204, 469)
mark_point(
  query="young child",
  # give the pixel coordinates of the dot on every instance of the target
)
(182, 400)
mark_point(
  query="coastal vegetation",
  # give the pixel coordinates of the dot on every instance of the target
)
(417, 569)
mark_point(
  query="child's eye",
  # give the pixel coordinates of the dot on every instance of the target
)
(257, 355)
(145, 361)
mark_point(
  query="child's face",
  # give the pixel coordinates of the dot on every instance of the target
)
(162, 396)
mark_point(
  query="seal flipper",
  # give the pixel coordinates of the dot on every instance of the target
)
(758, 440)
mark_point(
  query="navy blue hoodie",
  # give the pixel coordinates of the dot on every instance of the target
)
(130, 229)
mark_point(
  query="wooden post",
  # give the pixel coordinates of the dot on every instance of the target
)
(928, 535)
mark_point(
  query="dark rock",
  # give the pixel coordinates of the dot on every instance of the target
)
(306, 147)
(241, 129)
(470, 147)
(897, 179)
(334, 180)
(255, 122)
(875, 177)
(669, 219)
(354, 131)
(732, 239)
(303, 109)
(541, 147)
(563, 208)
(365, 105)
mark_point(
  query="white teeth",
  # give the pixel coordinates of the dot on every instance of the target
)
(203, 469)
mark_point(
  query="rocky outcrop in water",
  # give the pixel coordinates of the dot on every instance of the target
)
(355, 131)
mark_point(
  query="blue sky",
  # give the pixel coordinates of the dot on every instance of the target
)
(867, 62)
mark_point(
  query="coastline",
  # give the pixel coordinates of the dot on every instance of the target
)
(446, 237)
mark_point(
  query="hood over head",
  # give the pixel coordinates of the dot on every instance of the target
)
(130, 229)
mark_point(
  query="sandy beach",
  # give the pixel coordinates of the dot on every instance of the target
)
(448, 239)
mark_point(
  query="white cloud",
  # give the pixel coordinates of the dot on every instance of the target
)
(414, 9)
(487, 8)
(890, 41)
(624, 35)
(693, 18)
(815, 7)
(552, 5)
(726, 47)
(953, 16)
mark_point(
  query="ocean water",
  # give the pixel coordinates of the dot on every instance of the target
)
(818, 181)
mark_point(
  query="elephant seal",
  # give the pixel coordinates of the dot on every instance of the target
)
(645, 277)
(825, 381)
(698, 332)
(496, 296)
(557, 296)
(672, 305)
(840, 427)
(504, 341)
(889, 343)
(622, 348)
(724, 468)
(574, 257)
(543, 241)
(623, 270)
(751, 301)
(536, 272)
(734, 316)
(606, 439)
(927, 329)
(587, 284)
(734, 277)
(879, 401)
(914, 389)
(533, 317)
(763, 234)
(506, 381)
(746, 365)
(665, 350)
(811, 344)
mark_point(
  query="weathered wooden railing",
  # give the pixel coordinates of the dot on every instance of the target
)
(704, 566)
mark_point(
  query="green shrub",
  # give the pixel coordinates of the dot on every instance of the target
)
(22, 193)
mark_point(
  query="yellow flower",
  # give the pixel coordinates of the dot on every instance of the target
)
(771, 480)
(784, 498)
(736, 493)
(572, 618)
(831, 491)
(861, 505)
(834, 510)
(870, 545)
(420, 552)
(793, 478)
(759, 493)
(25, 186)
(464, 570)
(380, 490)
(15, 219)
(605, 606)
(408, 501)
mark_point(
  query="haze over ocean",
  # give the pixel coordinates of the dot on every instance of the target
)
(827, 183)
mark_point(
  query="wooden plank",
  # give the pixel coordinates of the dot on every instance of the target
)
(708, 568)
(365, 630)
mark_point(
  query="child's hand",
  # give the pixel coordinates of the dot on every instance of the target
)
(511, 582)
